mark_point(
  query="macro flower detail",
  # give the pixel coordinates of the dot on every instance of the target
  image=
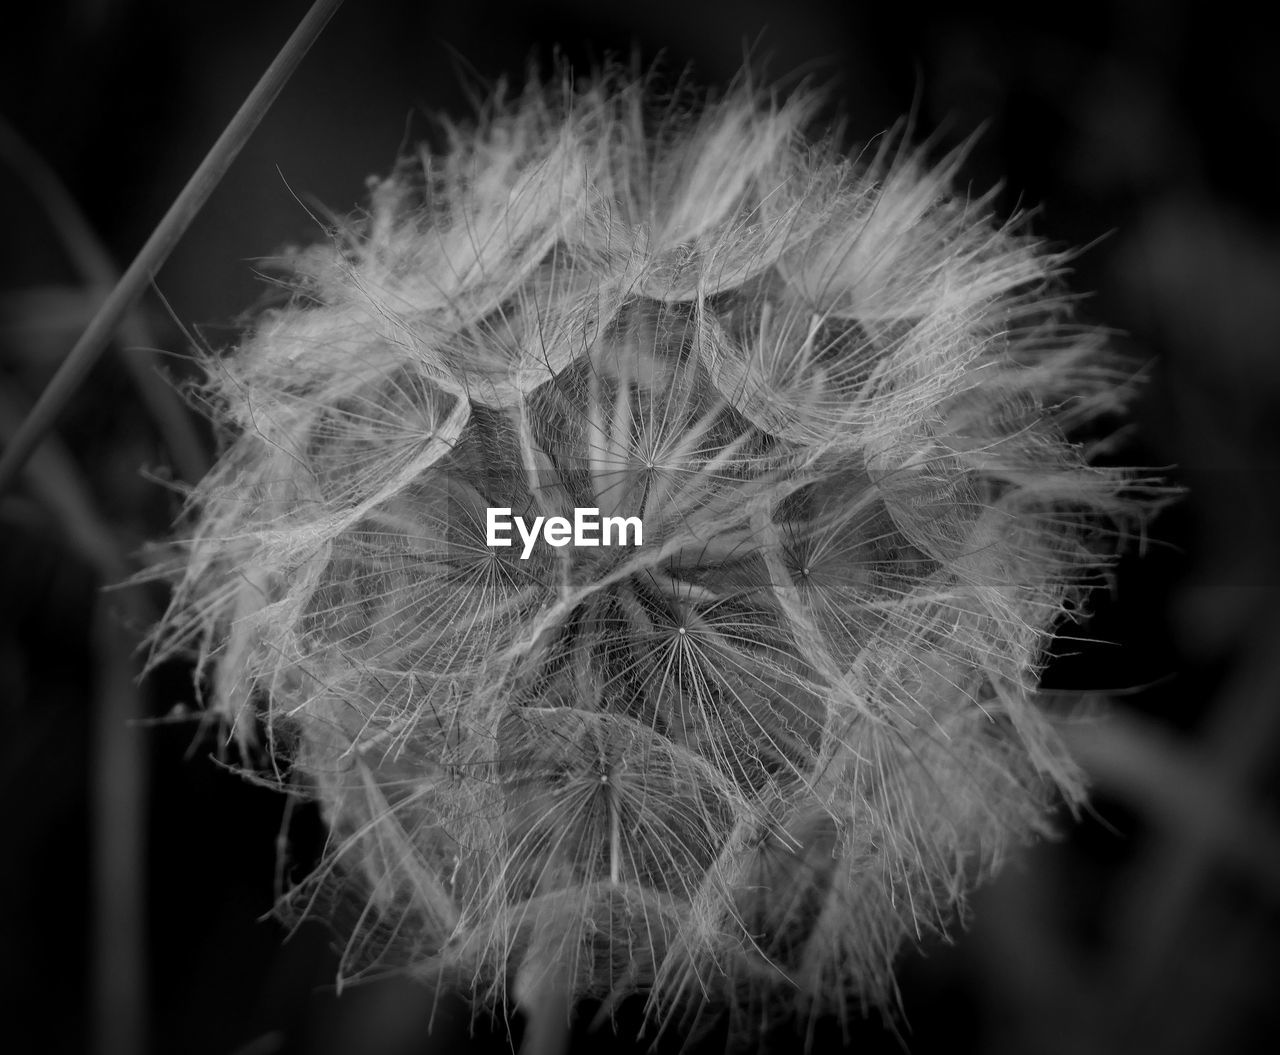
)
(749, 758)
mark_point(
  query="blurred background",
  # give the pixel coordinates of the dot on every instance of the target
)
(136, 871)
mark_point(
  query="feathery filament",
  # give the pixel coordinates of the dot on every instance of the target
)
(749, 758)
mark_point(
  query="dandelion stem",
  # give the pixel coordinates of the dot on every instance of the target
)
(162, 241)
(118, 753)
(98, 273)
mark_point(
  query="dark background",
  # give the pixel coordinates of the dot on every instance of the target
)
(1149, 132)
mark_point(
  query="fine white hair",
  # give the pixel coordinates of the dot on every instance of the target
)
(746, 760)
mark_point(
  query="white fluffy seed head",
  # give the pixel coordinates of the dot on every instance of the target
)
(748, 759)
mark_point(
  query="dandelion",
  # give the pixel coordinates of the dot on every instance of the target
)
(746, 760)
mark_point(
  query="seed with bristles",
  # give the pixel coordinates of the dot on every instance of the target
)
(747, 759)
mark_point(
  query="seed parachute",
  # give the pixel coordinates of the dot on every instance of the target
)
(746, 760)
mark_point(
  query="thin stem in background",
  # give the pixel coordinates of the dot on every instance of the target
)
(118, 755)
(98, 272)
(117, 752)
(162, 241)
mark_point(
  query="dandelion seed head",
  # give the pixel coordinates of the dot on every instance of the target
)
(750, 758)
